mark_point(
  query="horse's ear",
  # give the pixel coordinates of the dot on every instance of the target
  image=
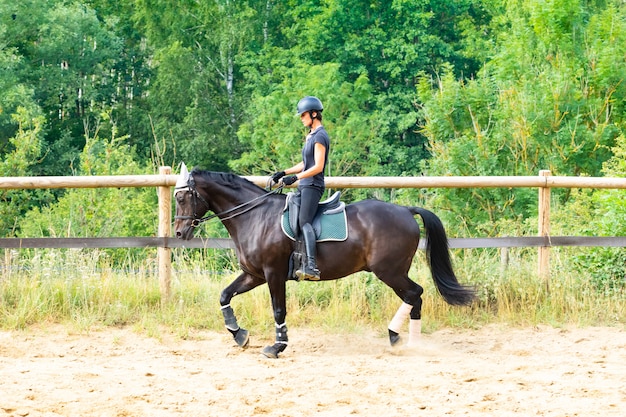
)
(183, 177)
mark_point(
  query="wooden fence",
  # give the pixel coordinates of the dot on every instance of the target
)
(165, 180)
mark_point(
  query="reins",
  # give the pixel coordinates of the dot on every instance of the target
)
(247, 206)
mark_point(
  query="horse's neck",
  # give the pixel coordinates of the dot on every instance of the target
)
(234, 203)
(239, 208)
(244, 218)
(222, 198)
(222, 203)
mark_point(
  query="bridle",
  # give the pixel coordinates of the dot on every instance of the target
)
(224, 215)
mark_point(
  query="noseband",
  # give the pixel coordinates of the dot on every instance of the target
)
(224, 215)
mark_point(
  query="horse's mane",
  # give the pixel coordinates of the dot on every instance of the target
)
(227, 179)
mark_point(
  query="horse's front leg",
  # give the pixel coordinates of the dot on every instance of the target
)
(277, 289)
(243, 283)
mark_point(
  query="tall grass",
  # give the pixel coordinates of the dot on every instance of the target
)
(81, 289)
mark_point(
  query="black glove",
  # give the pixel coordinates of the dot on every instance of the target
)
(290, 179)
(277, 176)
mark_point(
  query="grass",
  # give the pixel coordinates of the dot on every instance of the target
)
(78, 288)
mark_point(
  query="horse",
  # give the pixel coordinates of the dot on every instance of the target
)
(382, 238)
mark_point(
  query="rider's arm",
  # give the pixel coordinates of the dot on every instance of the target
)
(295, 169)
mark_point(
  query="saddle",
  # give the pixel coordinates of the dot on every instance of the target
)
(329, 222)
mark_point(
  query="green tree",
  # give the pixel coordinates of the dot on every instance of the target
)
(76, 67)
(196, 99)
(101, 212)
(23, 151)
(387, 42)
(541, 103)
(14, 93)
(599, 212)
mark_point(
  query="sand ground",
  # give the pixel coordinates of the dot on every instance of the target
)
(493, 371)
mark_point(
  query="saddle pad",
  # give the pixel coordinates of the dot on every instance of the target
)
(334, 227)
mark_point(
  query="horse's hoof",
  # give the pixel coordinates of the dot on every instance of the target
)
(272, 351)
(394, 338)
(242, 337)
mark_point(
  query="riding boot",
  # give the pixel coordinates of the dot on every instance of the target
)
(309, 269)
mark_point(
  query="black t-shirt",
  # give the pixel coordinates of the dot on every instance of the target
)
(320, 136)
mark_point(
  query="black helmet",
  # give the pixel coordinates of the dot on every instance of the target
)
(309, 103)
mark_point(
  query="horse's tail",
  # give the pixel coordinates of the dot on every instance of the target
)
(438, 256)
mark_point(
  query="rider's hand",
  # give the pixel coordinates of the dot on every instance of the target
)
(290, 179)
(277, 176)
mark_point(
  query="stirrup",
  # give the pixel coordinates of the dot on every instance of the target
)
(308, 274)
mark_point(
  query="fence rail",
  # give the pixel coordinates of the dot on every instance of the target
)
(165, 180)
(168, 180)
(226, 243)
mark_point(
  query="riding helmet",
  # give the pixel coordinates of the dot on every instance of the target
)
(309, 103)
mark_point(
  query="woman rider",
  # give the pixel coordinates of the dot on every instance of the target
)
(310, 173)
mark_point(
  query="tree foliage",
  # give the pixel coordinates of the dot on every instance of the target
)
(420, 87)
(24, 149)
(87, 212)
(556, 105)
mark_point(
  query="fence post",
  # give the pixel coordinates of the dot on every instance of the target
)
(164, 255)
(544, 231)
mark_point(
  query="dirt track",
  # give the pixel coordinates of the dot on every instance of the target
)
(489, 372)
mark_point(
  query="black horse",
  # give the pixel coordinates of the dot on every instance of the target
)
(382, 238)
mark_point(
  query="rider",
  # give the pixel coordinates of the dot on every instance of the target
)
(310, 172)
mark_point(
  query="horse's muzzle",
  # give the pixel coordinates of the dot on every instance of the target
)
(186, 233)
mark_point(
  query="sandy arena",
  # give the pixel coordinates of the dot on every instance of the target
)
(494, 371)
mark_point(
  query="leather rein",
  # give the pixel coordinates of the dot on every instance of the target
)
(224, 215)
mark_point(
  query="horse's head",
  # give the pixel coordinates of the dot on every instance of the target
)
(190, 206)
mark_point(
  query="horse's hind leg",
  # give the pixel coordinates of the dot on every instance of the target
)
(415, 331)
(243, 283)
(415, 323)
(397, 323)
(411, 295)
